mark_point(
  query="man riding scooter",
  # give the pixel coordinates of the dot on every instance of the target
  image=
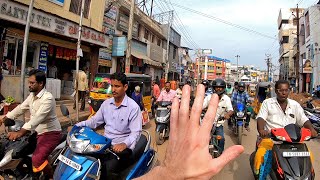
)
(224, 110)
(241, 96)
(208, 89)
(278, 112)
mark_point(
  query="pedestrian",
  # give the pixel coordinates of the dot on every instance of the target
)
(137, 97)
(162, 82)
(82, 88)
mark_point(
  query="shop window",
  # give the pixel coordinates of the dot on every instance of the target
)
(174, 52)
(146, 34)
(75, 7)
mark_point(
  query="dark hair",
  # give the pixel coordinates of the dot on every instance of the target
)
(168, 82)
(40, 76)
(120, 77)
(278, 83)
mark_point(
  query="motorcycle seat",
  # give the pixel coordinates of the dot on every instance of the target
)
(140, 146)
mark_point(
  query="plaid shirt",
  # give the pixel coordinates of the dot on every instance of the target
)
(240, 97)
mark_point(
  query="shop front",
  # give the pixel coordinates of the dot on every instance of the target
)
(51, 48)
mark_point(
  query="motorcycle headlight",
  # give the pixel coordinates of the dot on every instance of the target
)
(78, 146)
(7, 158)
(240, 114)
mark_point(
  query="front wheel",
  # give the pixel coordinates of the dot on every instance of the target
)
(159, 138)
(240, 132)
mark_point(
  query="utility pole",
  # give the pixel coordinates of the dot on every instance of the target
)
(298, 51)
(24, 51)
(205, 67)
(151, 8)
(268, 60)
(79, 54)
(198, 72)
(128, 53)
(237, 56)
(170, 17)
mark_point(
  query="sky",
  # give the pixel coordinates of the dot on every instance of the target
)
(227, 41)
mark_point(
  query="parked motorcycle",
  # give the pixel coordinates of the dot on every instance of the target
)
(162, 121)
(15, 156)
(289, 159)
(81, 160)
(239, 119)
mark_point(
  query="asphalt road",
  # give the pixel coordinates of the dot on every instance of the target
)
(240, 168)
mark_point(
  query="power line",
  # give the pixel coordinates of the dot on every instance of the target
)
(221, 20)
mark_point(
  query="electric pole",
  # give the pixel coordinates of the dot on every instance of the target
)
(268, 60)
(128, 52)
(170, 17)
(298, 50)
(237, 56)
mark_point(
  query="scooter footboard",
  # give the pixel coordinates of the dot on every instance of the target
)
(144, 165)
(77, 166)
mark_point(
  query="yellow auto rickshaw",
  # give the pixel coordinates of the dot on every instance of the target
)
(101, 90)
(264, 90)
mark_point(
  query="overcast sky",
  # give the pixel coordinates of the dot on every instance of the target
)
(227, 41)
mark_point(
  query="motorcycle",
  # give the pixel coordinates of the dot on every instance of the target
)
(214, 149)
(238, 120)
(15, 156)
(162, 121)
(81, 159)
(289, 159)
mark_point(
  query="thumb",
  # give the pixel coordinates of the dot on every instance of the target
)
(228, 155)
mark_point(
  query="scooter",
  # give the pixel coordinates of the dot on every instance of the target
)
(239, 119)
(81, 158)
(288, 160)
(15, 156)
(162, 121)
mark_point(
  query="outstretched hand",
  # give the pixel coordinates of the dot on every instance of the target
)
(187, 155)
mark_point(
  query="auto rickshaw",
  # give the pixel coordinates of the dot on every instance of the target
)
(101, 90)
(264, 90)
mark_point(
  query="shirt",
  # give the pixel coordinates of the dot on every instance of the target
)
(224, 106)
(82, 81)
(156, 91)
(274, 116)
(167, 96)
(238, 97)
(229, 91)
(123, 124)
(42, 107)
(208, 92)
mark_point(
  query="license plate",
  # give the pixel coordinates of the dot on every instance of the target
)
(211, 146)
(296, 154)
(69, 162)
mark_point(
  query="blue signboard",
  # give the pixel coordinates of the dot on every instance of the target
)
(43, 56)
(119, 46)
(59, 2)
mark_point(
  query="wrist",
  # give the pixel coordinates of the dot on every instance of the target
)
(164, 172)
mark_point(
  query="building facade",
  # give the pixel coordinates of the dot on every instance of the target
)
(217, 67)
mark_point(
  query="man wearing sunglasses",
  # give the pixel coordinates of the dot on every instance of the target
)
(278, 112)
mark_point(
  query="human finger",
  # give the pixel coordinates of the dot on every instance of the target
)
(197, 108)
(174, 118)
(184, 106)
(227, 156)
(209, 117)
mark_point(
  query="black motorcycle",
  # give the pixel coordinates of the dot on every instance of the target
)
(162, 121)
(290, 159)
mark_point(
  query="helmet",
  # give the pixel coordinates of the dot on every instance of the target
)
(206, 84)
(219, 83)
(241, 84)
(228, 85)
(235, 83)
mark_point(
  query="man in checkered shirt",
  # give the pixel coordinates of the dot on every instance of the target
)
(241, 96)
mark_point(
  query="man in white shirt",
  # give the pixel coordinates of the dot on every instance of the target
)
(278, 112)
(224, 110)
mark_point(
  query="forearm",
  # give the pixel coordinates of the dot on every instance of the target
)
(308, 125)
(159, 173)
(260, 124)
(230, 113)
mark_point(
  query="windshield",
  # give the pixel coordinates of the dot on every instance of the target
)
(102, 85)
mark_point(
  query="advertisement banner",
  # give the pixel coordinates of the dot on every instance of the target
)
(43, 56)
(307, 66)
(119, 46)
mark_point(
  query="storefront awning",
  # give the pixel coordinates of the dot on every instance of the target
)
(146, 59)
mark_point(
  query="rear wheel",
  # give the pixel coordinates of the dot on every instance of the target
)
(240, 131)
(159, 138)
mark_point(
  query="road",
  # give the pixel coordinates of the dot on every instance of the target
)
(240, 168)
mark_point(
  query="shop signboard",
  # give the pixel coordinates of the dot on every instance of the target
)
(119, 46)
(104, 54)
(59, 2)
(109, 19)
(307, 66)
(17, 13)
(123, 24)
(106, 63)
(139, 47)
(156, 52)
(43, 56)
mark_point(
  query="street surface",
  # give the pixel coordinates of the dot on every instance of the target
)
(240, 168)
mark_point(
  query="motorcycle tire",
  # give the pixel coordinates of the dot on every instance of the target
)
(240, 132)
(159, 138)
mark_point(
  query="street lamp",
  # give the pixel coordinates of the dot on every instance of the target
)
(237, 56)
